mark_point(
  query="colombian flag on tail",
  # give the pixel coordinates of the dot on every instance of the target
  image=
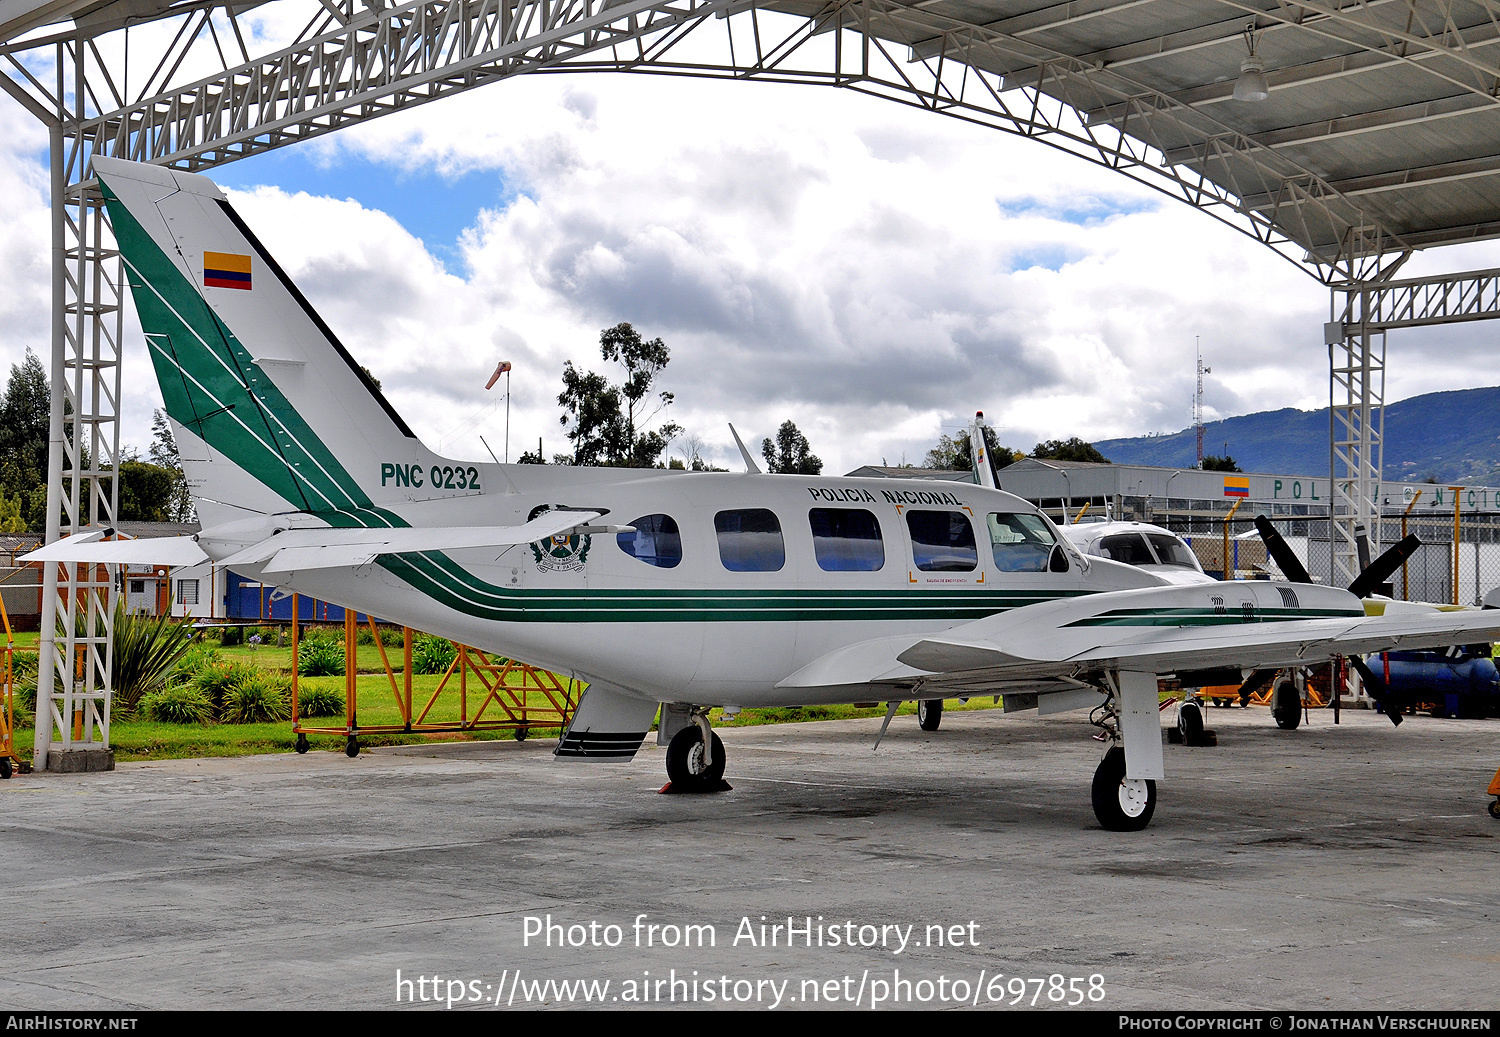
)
(226, 270)
(1234, 485)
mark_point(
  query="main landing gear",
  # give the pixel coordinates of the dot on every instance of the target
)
(1286, 701)
(929, 714)
(695, 759)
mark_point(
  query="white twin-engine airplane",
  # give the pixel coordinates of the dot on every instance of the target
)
(655, 587)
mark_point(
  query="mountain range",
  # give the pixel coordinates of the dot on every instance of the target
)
(1446, 437)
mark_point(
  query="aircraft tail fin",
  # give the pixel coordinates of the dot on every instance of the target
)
(270, 411)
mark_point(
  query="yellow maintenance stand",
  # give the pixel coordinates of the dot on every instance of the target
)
(1494, 790)
(10, 762)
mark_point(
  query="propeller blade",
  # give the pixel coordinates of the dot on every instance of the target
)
(1286, 559)
(1377, 571)
(1376, 689)
(1362, 547)
(1259, 679)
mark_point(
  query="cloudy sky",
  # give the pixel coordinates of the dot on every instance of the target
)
(871, 272)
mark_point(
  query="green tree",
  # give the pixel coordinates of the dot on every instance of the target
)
(164, 455)
(1220, 464)
(606, 422)
(11, 519)
(146, 492)
(953, 455)
(790, 454)
(1073, 449)
(25, 421)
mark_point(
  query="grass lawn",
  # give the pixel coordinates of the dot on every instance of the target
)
(137, 739)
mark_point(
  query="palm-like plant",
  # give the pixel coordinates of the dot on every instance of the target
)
(146, 649)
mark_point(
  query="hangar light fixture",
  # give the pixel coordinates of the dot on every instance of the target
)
(1252, 85)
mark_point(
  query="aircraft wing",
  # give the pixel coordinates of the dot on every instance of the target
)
(1155, 630)
(326, 548)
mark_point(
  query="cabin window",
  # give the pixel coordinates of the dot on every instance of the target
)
(942, 541)
(1020, 543)
(655, 541)
(750, 541)
(1129, 548)
(846, 540)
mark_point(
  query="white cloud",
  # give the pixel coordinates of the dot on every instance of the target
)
(867, 270)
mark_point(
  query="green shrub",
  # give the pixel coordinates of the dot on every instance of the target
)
(320, 656)
(198, 655)
(177, 704)
(217, 680)
(320, 701)
(23, 672)
(390, 636)
(255, 702)
(431, 654)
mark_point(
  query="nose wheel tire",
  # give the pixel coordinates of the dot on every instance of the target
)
(929, 714)
(1122, 804)
(686, 768)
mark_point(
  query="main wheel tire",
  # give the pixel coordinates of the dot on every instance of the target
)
(1121, 804)
(685, 767)
(929, 714)
(1287, 706)
(1190, 723)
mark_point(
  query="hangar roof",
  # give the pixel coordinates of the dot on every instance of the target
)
(1389, 110)
(1384, 113)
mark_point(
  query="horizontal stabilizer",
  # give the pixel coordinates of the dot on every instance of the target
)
(169, 551)
(302, 549)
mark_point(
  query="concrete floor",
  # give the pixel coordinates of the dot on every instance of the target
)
(1328, 868)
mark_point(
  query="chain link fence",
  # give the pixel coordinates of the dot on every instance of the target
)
(1458, 562)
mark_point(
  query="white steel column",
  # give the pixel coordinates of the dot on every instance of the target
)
(1357, 427)
(73, 686)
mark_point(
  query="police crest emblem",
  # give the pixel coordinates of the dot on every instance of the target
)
(563, 553)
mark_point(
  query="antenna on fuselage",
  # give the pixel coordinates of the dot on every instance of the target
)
(750, 465)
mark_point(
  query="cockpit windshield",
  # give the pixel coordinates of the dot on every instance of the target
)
(1021, 543)
(1171, 551)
